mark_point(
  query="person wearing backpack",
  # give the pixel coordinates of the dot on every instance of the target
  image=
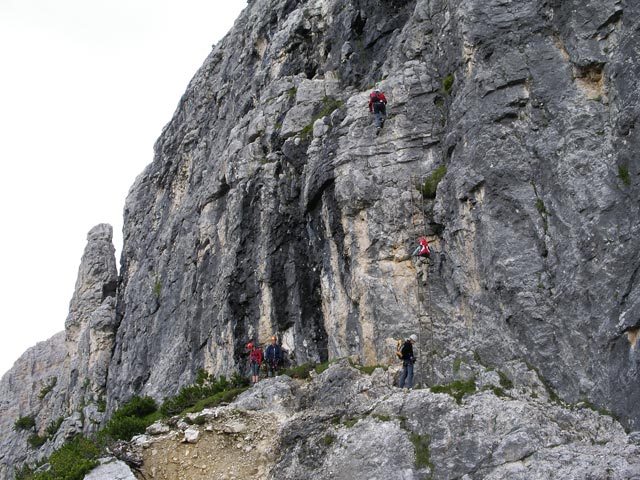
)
(406, 377)
(378, 106)
(423, 249)
(273, 357)
(255, 360)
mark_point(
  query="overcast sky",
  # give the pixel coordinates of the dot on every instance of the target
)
(85, 89)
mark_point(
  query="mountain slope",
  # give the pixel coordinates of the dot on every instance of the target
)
(272, 207)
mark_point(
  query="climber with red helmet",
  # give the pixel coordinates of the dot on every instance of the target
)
(423, 249)
(255, 360)
(378, 106)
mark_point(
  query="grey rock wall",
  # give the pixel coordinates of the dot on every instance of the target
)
(272, 207)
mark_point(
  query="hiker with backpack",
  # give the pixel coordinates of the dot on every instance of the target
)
(255, 360)
(273, 357)
(423, 249)
(406, 354)
(378, 106)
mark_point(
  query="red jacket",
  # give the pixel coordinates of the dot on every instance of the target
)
(379, 96)
(256, 355)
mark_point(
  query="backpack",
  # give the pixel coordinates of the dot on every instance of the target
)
(375, 98)
(399, 349)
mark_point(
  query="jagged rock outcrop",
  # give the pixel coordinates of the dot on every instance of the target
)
(271, 205)
(60, 383)
(345, 425)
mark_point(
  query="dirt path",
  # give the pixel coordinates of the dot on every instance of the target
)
(235, 446)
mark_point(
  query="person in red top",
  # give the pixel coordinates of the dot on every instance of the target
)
(378, 106)
(255, 360)
(423, 249)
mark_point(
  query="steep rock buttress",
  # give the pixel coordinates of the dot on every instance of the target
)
(62, 382)
(272, 207)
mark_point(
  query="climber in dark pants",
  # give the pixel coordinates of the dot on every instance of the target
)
(407, 362)
(378, 106)
(273, 357)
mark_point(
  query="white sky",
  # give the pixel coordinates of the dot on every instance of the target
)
(85, 89)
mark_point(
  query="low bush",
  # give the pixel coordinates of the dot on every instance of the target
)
(623, 174)
(53, 381)
(131, 419)
(72, 461)
(300, 372)
(204, 389)
(54, 426)
(447, 84)
(421, 445)
(125, 428)
(225, 396)
(24, 423)
(36, 441)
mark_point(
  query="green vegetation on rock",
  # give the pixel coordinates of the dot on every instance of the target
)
(131, 419)
(429, 187)
(24, 423)
(421, 445)
(457, 389)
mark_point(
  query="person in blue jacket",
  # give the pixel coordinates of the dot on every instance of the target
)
(273, 357)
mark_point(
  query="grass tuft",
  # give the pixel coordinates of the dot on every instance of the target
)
(430, 186)
(457, 389)
(623, 174)
(447, 84)
(421, 445)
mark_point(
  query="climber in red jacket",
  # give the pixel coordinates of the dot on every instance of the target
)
(378, 106)
(255, 359)
(423, 249)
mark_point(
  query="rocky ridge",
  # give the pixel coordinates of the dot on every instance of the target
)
(347, 425)
(60, 383)
(272, 207)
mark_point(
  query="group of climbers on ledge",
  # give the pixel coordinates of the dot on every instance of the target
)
(273, 357)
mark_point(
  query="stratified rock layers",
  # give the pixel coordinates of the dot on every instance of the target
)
(272, 207)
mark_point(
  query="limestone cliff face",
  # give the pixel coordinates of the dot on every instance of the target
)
(63, 379)
(271, 205)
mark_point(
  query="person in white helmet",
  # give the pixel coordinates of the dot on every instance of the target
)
(406, 377)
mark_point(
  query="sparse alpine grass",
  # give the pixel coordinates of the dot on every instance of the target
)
(430, 186)
(206, 392)
(457, 389)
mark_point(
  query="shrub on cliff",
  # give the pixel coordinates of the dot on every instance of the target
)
(71, 462)
(206, 386)
(131, 419)
(24, 423)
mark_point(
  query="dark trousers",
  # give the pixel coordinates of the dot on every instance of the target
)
(379, 114)
(406, 375)
(272, 368)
